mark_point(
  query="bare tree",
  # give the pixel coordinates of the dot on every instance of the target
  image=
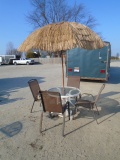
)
(117, 55)
(51, 11)
(11, 50)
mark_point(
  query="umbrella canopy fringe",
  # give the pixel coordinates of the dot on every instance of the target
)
(62, 36)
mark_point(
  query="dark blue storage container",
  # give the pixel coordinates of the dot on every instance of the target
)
(89, 64)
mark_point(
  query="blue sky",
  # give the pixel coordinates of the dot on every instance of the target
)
(14, 27)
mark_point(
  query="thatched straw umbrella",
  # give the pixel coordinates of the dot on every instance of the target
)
(62, 36)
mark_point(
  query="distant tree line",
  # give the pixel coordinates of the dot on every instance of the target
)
(115, 57)
(13, 51)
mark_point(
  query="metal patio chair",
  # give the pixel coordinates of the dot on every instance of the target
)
(35, 89)
(51, 102)
(74, 81)
(90, 104)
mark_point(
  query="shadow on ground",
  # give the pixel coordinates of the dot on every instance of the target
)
(113, 79)
(12, 129)
(107, 108)
(10, 85)
(114, 75)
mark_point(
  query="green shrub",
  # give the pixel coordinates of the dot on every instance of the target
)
(30, 55)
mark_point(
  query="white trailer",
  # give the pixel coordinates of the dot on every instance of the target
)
(7, 59)
(0, 60)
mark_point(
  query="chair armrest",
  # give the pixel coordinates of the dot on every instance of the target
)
(88, 94)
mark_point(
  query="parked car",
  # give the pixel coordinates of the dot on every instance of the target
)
(26, 61)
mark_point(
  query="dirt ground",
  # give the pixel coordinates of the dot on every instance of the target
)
(84, 138)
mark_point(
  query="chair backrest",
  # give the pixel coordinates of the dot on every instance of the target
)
(51, 101)
(97, 97)
(73, 81)
(35, 88)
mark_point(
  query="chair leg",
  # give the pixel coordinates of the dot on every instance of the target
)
(40, 104)
(97, 109)
(68, 110)
(94, 115)
(63, 124)
(41, 119)
(76, 98)
(32, 107)
(79, 96)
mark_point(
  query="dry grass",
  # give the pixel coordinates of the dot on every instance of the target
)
(62, 36)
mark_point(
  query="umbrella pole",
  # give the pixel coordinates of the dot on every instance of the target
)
(63, 73)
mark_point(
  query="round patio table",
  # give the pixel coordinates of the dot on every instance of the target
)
(67, 94)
